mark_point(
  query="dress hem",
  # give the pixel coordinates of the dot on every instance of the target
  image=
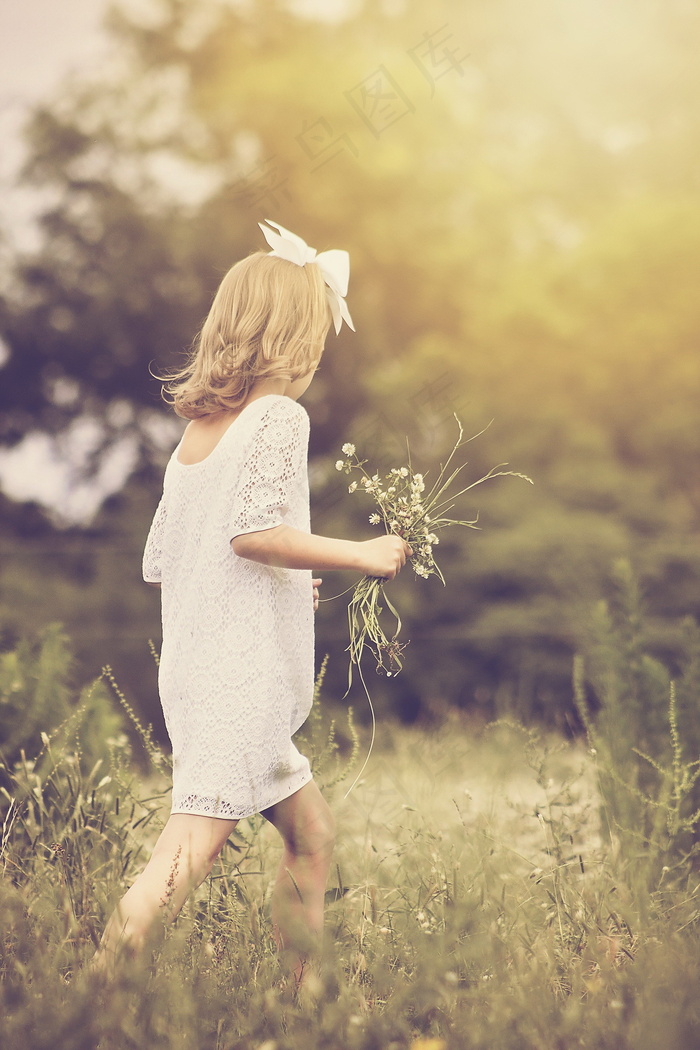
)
(199, 812)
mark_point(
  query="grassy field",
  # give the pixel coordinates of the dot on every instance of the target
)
(480, 899)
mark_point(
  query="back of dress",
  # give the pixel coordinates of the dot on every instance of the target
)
(236, 666)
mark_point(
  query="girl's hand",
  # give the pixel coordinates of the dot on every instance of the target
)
(316, 584)
(384, 556)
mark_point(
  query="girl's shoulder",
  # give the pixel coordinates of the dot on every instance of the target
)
(281, 405)
(278, 408)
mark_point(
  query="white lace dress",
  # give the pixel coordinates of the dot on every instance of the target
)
(237, 666)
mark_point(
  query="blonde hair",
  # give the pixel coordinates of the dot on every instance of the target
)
(268, 320)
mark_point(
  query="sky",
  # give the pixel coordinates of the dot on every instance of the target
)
(40, 40)
(41, 43)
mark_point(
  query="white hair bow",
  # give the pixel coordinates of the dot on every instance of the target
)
(334, 265)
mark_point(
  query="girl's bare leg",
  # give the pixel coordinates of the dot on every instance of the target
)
(183, 857)
(306, 825)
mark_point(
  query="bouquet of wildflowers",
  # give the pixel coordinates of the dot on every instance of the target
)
(407, 508)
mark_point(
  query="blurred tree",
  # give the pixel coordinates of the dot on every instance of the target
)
(517, 185)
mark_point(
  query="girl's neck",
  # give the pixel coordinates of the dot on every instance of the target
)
(263, 387)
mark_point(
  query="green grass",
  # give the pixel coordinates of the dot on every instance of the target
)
(478, 900)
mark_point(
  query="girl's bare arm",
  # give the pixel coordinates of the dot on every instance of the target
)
(289, 548)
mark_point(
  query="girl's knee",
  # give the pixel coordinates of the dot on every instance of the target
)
(317, 836)
(305, 822)
(327, 832)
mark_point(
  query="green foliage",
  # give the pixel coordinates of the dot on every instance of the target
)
(144, 733)
(95, 590)
(331, 753)
(73, 834)
(37, 701)
(34, 690)
(465, 917)
(646, 745)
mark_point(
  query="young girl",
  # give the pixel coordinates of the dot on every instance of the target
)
(230, 546)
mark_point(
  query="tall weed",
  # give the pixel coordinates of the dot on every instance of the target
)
(473, 905)
(640, 736)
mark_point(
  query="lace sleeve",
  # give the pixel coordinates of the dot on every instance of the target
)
(276, 457)
(154, 546)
